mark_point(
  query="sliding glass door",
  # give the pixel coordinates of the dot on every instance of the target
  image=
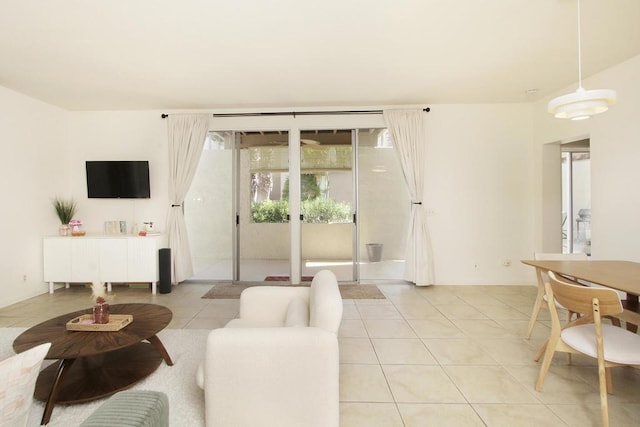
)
(209, 209)
(383, 208)
(263, 206)
(237, 208)
(347, 191)
(327, 192)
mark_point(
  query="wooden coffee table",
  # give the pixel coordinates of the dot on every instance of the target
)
(96, 364)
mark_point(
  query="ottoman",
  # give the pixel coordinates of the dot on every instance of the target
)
(132, 408)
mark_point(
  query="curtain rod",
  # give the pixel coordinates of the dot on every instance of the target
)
(294, 113)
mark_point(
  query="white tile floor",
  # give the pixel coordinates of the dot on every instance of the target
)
(252, 270)
(437, 356)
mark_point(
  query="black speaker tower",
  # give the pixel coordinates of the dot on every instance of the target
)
(164, 266)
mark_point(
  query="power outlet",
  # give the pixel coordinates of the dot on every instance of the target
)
(506, 263)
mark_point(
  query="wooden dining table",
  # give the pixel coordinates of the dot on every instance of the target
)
(622, 276)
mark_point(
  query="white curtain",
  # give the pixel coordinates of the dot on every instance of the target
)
(187, 134)
(408, 132)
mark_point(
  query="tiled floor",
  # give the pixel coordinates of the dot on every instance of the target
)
(257, 269)
(436, 356)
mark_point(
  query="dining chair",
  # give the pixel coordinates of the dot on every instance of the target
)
(541, 274)
(611, 345)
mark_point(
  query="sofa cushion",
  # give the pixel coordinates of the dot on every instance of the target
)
(143, 408)
(19, 374)
(325, 302)
(297, 312)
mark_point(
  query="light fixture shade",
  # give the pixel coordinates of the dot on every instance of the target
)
(582, 103)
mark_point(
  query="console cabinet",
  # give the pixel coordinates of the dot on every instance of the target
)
(108, 259)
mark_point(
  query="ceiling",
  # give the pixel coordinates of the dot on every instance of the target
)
(252, 54)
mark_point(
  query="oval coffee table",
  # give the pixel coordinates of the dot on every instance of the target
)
(96, 364)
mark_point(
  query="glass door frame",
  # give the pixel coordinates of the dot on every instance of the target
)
(353, 200)
(235, 194)
(237, 215)
(356, 205)
(293, 124)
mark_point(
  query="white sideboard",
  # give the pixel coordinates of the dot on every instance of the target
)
(102, 258)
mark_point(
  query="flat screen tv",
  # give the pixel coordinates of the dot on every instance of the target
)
(118, 179)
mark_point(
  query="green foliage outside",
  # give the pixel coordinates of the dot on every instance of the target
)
(317, 211)
(309, 187)
(270, 211)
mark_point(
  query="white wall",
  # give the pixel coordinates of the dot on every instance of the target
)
(120, 135)
(479, 192)
(615, 153)
(34, 168)
(484, 178)
(479, 182)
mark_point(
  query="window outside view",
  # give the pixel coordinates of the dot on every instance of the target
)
(322, 169)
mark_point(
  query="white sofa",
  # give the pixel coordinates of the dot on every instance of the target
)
(278, 363)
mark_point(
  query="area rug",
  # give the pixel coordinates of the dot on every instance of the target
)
(229, 290)
(186, 399)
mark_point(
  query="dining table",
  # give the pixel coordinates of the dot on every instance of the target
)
(622, 276)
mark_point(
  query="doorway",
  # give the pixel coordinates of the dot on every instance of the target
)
(262, 207)
(209, 209)
(328, 197)
(576, 197)
(244, 223)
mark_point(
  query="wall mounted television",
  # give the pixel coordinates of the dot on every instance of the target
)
(118, 179)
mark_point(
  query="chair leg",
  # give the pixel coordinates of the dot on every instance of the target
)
(604, 407)
(607, 374)
(569, 316)
(546, 362)
(540, 352)
(536, 311)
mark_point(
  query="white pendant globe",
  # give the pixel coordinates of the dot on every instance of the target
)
(582, 103)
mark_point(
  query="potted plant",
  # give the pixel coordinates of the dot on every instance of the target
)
(65, 209)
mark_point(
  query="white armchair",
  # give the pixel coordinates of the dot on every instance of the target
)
(278, 364)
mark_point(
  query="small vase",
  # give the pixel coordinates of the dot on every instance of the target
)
(101, 313)
(64, 230)
(77, 230)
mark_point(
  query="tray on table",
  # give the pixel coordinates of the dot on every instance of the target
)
(116, 322)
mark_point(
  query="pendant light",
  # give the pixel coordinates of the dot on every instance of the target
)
(582, 103)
